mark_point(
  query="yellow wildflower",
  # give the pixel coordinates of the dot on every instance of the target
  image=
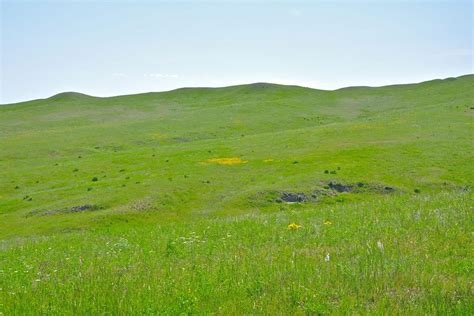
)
(294, 226)
(327, 223)
(226, 161)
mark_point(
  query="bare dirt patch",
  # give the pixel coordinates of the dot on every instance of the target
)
(340, 187)
(68, 210)
(321, 191)
(359, 187)
(291, 197)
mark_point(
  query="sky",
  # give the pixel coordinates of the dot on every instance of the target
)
(106, 48)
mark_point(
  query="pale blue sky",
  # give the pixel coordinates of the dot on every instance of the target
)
(120, 47)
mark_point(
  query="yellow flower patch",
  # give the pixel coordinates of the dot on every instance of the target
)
(159, 136)
(227, 161)
(294, 226)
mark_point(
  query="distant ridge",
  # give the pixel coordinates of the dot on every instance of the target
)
(70, 96)
(249, 88)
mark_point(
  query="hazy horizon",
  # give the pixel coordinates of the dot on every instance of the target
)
(249, 83)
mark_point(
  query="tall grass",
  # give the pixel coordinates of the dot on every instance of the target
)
(400, 254)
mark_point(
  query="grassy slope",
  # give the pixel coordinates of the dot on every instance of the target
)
(408, 136)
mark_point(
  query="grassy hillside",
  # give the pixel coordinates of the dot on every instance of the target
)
(180, 201)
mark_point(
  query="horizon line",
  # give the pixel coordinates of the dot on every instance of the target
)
(236, 85)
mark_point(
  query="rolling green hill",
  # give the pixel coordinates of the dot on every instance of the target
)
(180, 201)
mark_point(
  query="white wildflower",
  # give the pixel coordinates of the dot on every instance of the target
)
(380, 245)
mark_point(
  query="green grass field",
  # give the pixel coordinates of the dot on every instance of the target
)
(179, 202)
